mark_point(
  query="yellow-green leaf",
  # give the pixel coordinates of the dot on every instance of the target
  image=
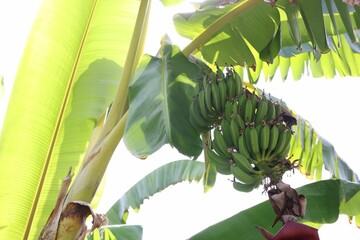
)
(66, 79)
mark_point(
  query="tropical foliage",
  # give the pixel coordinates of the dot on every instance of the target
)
(79, 90)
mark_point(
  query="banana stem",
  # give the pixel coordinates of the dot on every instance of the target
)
(91, 173)
(94, 166)
(218, 24)
(206, 139)
(132, 59)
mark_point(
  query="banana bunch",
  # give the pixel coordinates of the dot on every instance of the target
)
(210, 98)
(251, 133)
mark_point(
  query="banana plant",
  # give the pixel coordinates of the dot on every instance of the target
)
(79, 90)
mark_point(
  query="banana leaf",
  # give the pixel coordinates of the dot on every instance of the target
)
(156, 181)
(159, 99)
(314, 152)
(65, 81)
(224, 33)
(325, 201)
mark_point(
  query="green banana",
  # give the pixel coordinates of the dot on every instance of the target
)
(281, 144)
(278, 109)
(196, 90)
(274, 136)
(216, 98)
(222, 92)
(244, 163)
(249, 111)
(231, 87)
(242, 187)
(261, 111)
(202, 105)
(196, 119)
(254, 100)
(242, 147)
(271, 114)
(264, 139)
(242, 104)
(254, 140)
(226, 132)
(243, 176)
(238, 84)
(220, 143)
(208, 101)
(248, 142)
(234, 130)
(239, 121)
(221, 163)
(219, 72)
(228, 110)
(281, 151)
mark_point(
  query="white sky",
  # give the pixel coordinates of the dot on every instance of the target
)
(183, 210)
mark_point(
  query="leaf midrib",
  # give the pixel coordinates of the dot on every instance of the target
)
(58, 125)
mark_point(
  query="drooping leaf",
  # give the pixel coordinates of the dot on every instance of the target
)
(325, 201)
(306, 26)
(232, 44)
(160, 97)
(156, 181)
(66, 79)
(314, 152)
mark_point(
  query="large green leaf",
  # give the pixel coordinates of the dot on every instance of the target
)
(159, 179)
(325, 201)
(306, 27)
(66, 79)
(159, 97)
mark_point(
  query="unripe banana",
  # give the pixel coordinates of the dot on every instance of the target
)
(262, 110)
(281, 144)
(235, 109)
(271, 114)
(248, 142)
(243, 176)
(228, 110)
(221, 163)
(244, 163)
(278, 109)
(219, 72)
(264, 139)
(196, 119)
(231, 87)
(208, 101)
(274, 136)
(226, 132)
(220, 143)
(196, 90)
(242, 147)
(241, 103)
(222, 92)
(254, 100)
(202, 105)
(254, 140)
(249, 111)
(238, 84)
(216, 98)
(242, 187)
(282, 152)
(239, 121)
(234, 132)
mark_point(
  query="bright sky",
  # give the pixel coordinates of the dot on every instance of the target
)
(183, 210)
